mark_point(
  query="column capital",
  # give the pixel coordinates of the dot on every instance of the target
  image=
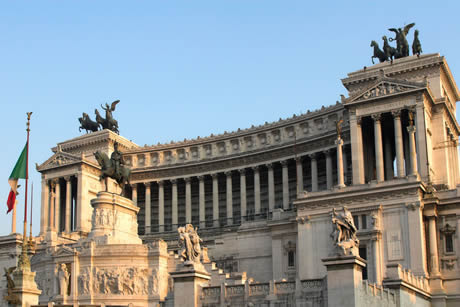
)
(298, 159)
(359, 120)
(255, 168)
(161, 182)
(188, 179)
(67, 178)
(174, 181)
(146, 184)
(313, 156)
(242, 171)
(284, 163)
(377, 117)
(55, 180)
(396, 113)
(411, 129)
(133, 185)
(215, 175)
(269, 166)
(201, 177)
(228, 173)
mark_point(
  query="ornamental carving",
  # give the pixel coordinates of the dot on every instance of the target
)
(120, 281)
(383, 89)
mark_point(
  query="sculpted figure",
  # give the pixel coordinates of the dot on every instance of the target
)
(190, 242)
(344, 232)
(110, 122)
(390, 52)
(338, 128)
(113, 167)
(402, 46)
(379, 54)
(416, 45)
(11, 297)
(63, 277)
(83, 281)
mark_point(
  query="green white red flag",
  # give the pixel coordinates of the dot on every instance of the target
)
(19, 171)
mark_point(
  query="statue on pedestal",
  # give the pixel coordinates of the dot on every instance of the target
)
(190, 242)
(63, 278)
(344, 232)
(113, 167)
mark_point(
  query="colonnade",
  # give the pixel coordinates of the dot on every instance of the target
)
(403, 146)
(282, 181)
(58, 210)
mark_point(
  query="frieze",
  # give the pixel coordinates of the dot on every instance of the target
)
(238, 161)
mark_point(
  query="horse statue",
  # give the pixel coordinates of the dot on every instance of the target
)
(87, 124)
(402, 46)
(390, 52)
(109, 170)
(416, 45)
(379, 54)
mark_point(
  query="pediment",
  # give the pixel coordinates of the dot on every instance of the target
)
(385, 88)
(59, 159)
(64, 251)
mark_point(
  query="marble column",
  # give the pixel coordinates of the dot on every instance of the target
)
(299, 175)
(57, 217)
(271, 188)
(376, 261)
(329, 179)
(45, 206)
(134, 193)
(243, 193)
(412, 151)
(357, 157)
(388, 156)
(148, 208)
(175, 219)
(398, 143)
(380, 173)
(79, 203)
(188, 200)
(433, 246)
(201, 200)
(256, 189)
(314, 172)
(229, 199)
(68, 203)
(215, 200)
(51, 225)
(340, 178)
(161, 206)
(285, 179)
(345, 164)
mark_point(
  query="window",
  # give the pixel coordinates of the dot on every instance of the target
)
(356, 221)
(363, 221)
(363, 254)
(291, 259)
(449, 243)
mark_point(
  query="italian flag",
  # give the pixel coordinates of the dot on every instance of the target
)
(19, 171)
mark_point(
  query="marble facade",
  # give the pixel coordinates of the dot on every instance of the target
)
(262, 199)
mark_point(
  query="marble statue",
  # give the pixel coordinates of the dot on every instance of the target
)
(190, 242)
(11, 297)
(63, 278)
(344, 232)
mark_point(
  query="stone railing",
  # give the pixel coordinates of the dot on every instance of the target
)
(280, 292)
(270, 135)
(395, 274)
(373, 295)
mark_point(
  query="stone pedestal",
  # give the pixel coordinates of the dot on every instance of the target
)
(114, 220)
(26, 288)
(188, 282)
(344, 276)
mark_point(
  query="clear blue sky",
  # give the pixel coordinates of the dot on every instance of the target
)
(186, 68)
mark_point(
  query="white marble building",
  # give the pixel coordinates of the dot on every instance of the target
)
(262, 196)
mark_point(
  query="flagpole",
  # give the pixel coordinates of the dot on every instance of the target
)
(31, 209)
(23, 261)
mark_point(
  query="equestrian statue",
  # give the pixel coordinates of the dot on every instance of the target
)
(113, 167)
